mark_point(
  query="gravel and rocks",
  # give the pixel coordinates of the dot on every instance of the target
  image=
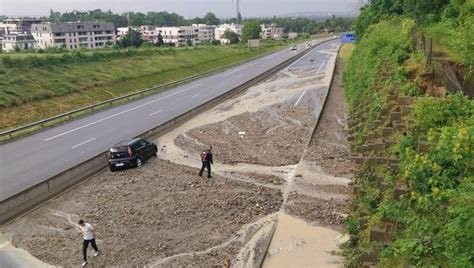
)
(275, 136)
(159, 210)
(259, 177)
(328, 213)
(329, 146)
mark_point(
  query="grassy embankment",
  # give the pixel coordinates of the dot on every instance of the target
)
(425, 204)
(37, 86)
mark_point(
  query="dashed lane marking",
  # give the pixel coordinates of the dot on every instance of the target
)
(82, 143)
(120, 113)
(152, 114)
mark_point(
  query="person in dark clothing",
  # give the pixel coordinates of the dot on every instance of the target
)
(206, 158)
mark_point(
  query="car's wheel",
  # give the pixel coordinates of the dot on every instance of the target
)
(112, 168)
(138, 162)
(155, 153)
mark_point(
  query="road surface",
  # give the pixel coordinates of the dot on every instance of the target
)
(30, 160)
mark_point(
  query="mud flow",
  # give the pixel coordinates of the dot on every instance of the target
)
(272, 173)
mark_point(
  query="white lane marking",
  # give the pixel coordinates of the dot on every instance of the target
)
(304, 92)
(82, 143)
(239, 69)
(194, 96)
(159, 111)
(321, 66)
(120, 113)
(299, 59)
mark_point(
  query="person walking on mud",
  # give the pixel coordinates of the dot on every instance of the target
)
(206, 159)
(89, 237)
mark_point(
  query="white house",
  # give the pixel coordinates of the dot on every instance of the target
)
(271, 31)
(21, 41)
(179, 35)
(220, 30)
(74, 34)
(206, 33)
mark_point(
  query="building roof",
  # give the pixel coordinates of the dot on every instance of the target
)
(77, 26)
(24, 19)
(20, 36)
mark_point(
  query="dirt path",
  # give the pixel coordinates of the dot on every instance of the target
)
(163, 213)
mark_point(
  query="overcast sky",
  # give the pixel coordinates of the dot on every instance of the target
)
(187, 8)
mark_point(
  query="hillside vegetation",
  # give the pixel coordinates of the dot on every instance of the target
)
(449, 22)
(414, 193)
(37, 86)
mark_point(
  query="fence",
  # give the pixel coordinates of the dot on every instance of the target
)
(440, 68)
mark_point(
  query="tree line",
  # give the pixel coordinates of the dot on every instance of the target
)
(424, 12)
(163, 18)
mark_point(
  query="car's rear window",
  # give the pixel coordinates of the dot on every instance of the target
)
(122, 149)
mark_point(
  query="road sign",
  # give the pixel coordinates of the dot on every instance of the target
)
(348, 38)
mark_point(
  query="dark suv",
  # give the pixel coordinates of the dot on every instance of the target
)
(131, 153)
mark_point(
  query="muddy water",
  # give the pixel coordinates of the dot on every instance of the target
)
(299, 244)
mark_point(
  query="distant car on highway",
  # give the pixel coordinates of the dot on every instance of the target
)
(294, 48)
(131, 153)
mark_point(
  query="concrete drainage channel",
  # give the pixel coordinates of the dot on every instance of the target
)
(36, 194)
(179, 218)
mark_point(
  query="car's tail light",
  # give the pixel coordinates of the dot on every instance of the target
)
(129, 152)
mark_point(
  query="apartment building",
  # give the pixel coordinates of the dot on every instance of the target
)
(220, 30)
(206, 33)
(18, 25)
(271, 31)
(20, 41)
(73, 35)
(179, 35)
(121, 31)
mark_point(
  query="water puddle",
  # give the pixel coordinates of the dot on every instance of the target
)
(299, 244)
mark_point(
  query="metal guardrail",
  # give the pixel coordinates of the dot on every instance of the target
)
(38, 125)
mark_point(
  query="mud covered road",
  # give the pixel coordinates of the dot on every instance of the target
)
(163, 213)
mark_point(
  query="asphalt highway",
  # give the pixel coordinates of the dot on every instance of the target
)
(30, 160)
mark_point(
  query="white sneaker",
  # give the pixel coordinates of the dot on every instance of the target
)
(97, 253)
(84, 264)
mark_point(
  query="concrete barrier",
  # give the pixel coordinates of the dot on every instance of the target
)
(31, 197)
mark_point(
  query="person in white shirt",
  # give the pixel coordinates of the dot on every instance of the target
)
(89, 237)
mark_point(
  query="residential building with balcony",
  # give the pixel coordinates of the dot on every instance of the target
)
(220, 30)
(17, 25)
(149, 33)
(271, 31)
(121, 31)
(206, 33)
(179, 35)
(21, 41)
(73, 35)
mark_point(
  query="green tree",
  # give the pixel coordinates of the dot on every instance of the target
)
(211, 19)
(233, 37)
(160, 41)
(131, 39)
(251, 30)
